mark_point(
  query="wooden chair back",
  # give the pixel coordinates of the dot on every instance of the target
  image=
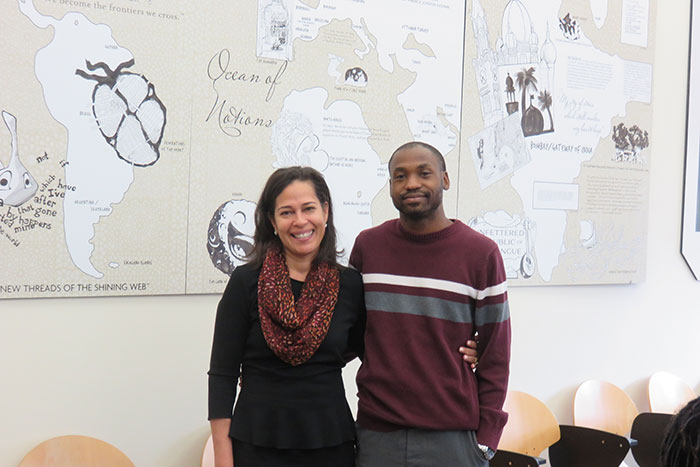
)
(668, 393)
(604, 406)
(531, 426)
(208, 454)
(75, 451)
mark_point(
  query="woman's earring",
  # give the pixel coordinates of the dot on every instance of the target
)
(275, 233)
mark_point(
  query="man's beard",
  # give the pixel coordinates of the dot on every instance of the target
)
(433, 203)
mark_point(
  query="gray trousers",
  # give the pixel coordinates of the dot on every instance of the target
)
(413, 447)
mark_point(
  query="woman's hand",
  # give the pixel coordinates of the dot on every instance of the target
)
(469, 352)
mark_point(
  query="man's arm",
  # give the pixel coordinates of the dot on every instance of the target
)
(356, 254)
(492, 321)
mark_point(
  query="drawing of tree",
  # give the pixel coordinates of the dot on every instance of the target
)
(638, 139)
(545, 99)
(620, 136)
(525, 79)
(629, 142)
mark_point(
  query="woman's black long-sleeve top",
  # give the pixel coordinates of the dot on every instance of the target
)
(279, 405)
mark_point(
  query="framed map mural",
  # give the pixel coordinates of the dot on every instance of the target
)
(139, 133)
(690, 240)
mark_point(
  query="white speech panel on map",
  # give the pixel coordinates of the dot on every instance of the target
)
(562, 196)
(635, 22)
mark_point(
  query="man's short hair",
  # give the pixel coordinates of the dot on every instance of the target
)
(432, 149)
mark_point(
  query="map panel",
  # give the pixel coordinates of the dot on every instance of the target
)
(140, 132)
(332, 86)
(103, 128)
(568, 202)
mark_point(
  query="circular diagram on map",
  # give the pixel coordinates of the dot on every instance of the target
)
(230, 235)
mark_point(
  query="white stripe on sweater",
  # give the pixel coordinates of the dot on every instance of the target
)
(436, 284)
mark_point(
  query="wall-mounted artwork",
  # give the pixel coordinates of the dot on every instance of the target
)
(690, 240)
(140, 134)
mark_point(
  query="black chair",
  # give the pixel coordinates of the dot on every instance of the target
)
(586, 447)
(603, 415)
(513, 459)
(649, 430)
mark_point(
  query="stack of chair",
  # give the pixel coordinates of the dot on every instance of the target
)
(667, 395)
(531, 428)
(75, 451)
(603, 417)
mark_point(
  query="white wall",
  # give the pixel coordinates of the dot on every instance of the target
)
(132, 370)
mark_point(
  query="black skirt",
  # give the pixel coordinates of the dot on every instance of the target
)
(248, 455)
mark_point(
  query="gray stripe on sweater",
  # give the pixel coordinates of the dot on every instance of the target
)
(435, 308)
(492, 314)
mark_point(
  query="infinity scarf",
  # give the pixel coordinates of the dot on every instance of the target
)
(294, 331)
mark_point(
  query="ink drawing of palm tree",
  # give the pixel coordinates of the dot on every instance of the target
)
(526, 79)
(545, 99)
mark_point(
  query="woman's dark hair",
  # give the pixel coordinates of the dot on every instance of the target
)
(265, 237)
(681, 445)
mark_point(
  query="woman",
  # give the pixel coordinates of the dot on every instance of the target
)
(291, 318)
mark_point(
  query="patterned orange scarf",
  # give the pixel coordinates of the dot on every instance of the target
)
(294, 331)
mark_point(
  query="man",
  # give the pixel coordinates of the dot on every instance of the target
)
(430, 284)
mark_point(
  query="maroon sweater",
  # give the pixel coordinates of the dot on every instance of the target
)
(425, 296)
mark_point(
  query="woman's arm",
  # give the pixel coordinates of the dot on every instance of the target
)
(469, 352)
(223, 448)
(230, 335)
(356, 339)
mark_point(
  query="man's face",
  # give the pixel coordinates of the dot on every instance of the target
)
(417, 182)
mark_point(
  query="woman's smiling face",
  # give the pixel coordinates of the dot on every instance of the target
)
(300, 220)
